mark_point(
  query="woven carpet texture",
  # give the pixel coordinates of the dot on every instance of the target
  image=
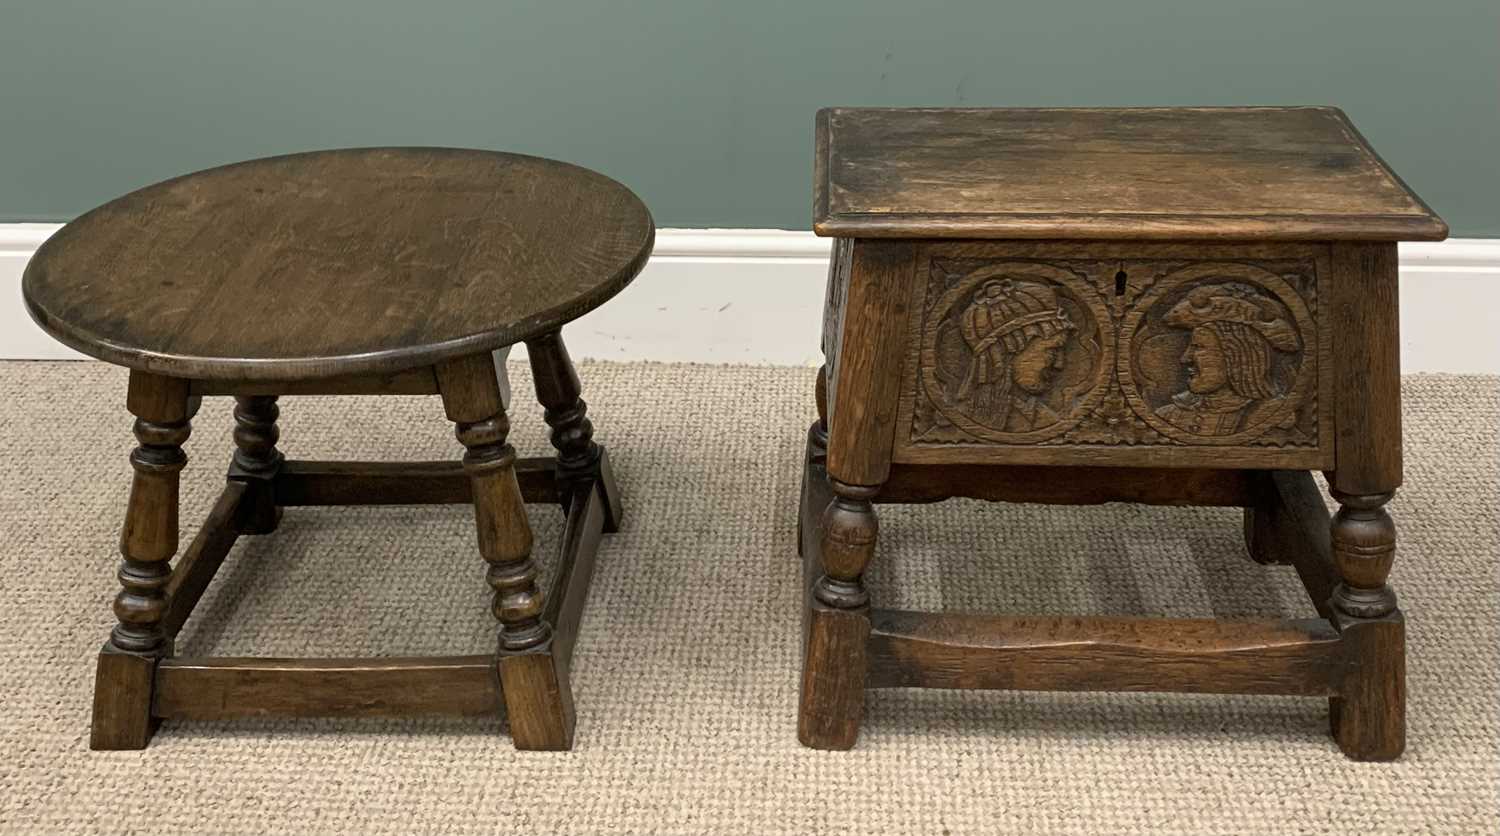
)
(686, 671)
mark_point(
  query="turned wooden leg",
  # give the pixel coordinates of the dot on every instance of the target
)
(127, 664)
(579, 459)
(1368, 719)
(833, 667)
(538, 700)
(257, 461)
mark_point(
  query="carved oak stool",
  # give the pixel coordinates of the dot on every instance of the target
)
(1165, 306)
(372, 272)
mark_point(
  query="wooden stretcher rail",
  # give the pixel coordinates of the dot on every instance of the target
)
(399, 483)
(912, 649)
(196, 568)
(1075, 485)
(575, 568)
(229, 688)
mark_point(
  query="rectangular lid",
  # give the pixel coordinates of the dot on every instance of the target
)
(1251, 173)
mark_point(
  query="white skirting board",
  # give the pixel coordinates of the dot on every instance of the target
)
(756, 296)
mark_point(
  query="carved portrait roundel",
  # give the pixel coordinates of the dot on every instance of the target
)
(1218, 354)
(1012, 352)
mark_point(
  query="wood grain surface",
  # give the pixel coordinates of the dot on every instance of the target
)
(1294, 173)
(337, 263)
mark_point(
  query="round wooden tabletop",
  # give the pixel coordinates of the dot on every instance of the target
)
(337, 263)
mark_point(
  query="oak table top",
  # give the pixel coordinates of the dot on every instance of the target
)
(1244, 173)
(337, 263)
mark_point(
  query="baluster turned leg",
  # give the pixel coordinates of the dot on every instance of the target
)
(257, 461)
(580, 461)
(1368, 719)
(127, 664)
(833, 671)
(537, 696)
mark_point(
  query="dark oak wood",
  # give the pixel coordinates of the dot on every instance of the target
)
(1367, 378)
(201, 561)
(473, 402)
(400, 483)
(1100, 353)
(863, 392)
(367, 261)
(228, 688)
(579, 461)
(911, 649)
(123, 683)
(1074, 485)
(833, 677)
(838, 621)
(570, 585)
(418, 381)
(257, 461)
(126, 668)
(1368, 717)
(372, 272)
(538, 699)
(149, 538)
(1179, 306)
(1293, 173)
(1291, 527)
(537, 695)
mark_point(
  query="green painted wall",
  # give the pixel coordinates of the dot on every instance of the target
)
(705, 107)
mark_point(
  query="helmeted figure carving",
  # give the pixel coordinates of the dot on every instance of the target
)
(1016, 332)
(1231, 377)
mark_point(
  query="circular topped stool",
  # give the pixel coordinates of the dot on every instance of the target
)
(374, 272)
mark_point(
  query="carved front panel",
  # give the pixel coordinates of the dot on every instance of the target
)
(1207, 353)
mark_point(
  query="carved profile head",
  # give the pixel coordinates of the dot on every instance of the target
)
(1017, 332)
(1235, 329)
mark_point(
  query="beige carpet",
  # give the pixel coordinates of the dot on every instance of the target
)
(686, 671)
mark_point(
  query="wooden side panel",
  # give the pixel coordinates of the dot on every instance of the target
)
(866, 384)
(833, 315)
(1130, 354)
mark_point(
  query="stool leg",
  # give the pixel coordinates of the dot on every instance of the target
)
(257, 461)
(833, 668)
(127, 663)
(579, 459)
(538, 700)
(1368, 718)
(814, 478)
